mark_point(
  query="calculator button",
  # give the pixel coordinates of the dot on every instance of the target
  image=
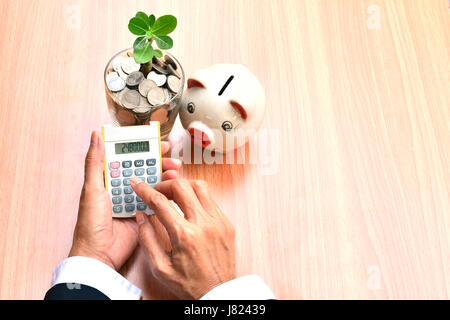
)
(126, 164)
(141, 206)
(129, 207)
(115, 182)
(151, 179)
(126, 181)
(116, 200)
(117, 209)
(114, 165)
(151, 170)
(127, 172)
(151, 162)
(115, 173)
(139, 172)
(116, 191)
(138, 199)
(128, 190)
(129, 199)
(138, 163)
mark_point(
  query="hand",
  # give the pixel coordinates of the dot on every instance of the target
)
(203, 252)
(97, 234)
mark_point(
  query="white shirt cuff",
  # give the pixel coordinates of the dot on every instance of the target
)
(250, 287)
(96, 274)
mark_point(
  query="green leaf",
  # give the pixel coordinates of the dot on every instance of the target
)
(151, 19)
(143, 16)
(148, 34)
(164, 25)
(139, 43)
(143, 54)
(157, 53)
(137, 26)
(164, 42)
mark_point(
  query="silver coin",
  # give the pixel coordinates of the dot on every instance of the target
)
(129, 65)
(169, 60)
(145, 85)
(122, 74)
(131, 99)
(156, 96)
(160, 69)
(117, 63)
(159, 79)
(116, 84)
(173, 83)
(135, 78)
(172, 71)
(111, 75)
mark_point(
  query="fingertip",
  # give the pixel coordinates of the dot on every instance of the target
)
(165, 146)
(141, 218)
(170, 175)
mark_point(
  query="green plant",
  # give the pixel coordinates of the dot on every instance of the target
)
(150, 29)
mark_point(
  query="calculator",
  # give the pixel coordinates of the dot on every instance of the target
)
(131, 151)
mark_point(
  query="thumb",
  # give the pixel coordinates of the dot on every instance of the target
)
(94, 163)
(150, 242)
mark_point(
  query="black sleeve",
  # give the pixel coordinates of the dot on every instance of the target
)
(74, 291)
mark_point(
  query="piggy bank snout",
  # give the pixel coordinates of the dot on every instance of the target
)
(201, 134)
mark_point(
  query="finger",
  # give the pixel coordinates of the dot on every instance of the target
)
(162, 207)
(202, 191)
(171, 164)
(94, 163)
(169, 175)
(180, 191)
(150, 242)
(165, 146)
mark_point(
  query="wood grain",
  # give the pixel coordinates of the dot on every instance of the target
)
(359, 204)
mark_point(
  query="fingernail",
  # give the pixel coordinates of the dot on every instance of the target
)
(134, 181)
(140, 218)
(94, 138)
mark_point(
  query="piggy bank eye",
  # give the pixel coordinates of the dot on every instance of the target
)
(227, 126)
(191, 107)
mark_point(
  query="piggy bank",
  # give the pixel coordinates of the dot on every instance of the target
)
(222, 104)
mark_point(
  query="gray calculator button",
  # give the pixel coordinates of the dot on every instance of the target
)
(138, 163)
(129, 199)
(151, 179)
(151, 170)
(117, 209)
(128, 190)
(116, 191)
(139, 172)
(151, 162)
(126, 181)
(129, 207)
(116, 200)
(115, 182)
(127, 173)
(138, 199)
(141, 206)
(126, 164)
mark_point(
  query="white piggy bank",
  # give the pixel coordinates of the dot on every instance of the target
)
(220, 104)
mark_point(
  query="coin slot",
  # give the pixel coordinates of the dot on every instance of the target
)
(226, 85)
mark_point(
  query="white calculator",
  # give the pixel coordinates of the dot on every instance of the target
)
(132, 151)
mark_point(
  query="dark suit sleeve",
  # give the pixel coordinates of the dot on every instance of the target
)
(74, 291)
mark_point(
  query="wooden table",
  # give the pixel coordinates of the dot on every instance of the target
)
(357, 91)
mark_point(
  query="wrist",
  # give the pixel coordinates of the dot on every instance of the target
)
(83, 251)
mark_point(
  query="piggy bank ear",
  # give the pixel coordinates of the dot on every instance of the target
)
(239, 108)
(192, 83)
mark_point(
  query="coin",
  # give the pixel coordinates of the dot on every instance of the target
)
(125, 118)
(173, 83)
(117, 63)
(143, 109)
(122, 74)
(145, 85)
(170, 61)
(172, 71)
(111, 75)
(159, 79)
(135, 78)
(160, 69)
(116, 84)
(156, 96)
(129, 65)
(131, 99)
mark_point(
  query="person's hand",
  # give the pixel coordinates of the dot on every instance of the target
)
(97, 235)
(203, 252)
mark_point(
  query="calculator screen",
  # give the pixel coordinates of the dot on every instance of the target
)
(132, 147)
